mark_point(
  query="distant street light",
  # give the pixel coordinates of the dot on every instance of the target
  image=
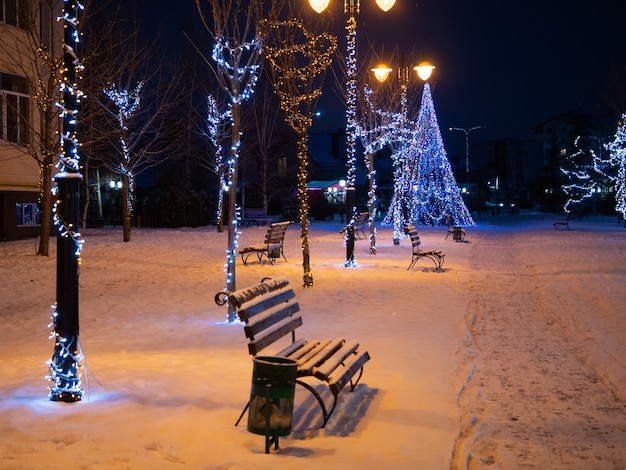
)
(467, 132)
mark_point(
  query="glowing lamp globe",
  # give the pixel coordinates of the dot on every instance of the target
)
(381, 72)
(385, 5)
(424, 70)
(319, 5)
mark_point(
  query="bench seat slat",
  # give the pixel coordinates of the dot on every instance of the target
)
(298, 353)
(274, 333)
(321, 354)
(324, 370)
(295, 347)
(342, 375)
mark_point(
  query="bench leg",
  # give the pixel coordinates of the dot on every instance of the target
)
(243, 413)
(319, 400)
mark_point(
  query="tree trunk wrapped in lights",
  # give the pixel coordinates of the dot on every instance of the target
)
(65, 362)
(373, 132)
(299, 61)
(237, 57)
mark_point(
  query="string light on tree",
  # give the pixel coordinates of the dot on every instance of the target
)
(216, 122)
(127, 103)
(582, 173)
(237, 58)
(373, 133)
(66, 360)
(299, 60)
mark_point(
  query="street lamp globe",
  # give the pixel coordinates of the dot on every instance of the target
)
(381, 72)
(319, 5)
(424, 70)
(385, 5)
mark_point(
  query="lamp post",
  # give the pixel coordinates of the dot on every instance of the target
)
(466, 132)
(424, 71)
(351, 8)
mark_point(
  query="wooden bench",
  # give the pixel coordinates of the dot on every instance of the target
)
(271, 313)
(436, 256)
(565, 223)
(359, 225)
(255, 216)
(458, 233)
(272, 247)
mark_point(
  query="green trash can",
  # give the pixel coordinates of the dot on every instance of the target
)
(271, 397)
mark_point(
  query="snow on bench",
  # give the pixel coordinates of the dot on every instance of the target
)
(270, 313)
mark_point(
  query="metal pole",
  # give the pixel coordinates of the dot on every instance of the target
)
(466, 131)
(64, 363)
(351, 7)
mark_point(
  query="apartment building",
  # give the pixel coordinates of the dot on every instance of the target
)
(28, 29)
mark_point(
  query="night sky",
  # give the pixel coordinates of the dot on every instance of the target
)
(506, 65)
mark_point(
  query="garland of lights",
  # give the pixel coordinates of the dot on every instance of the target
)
(585, 169)
(215, 122)
(373, 136)
(127, 103)
(298, 69)
(66, 360)
(351, 120)
(238, 66)
(581, 172)
(397, 138)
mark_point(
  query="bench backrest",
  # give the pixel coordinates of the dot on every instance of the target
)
(269, 311)
(276, 233)
(362, 218)
(415, 238)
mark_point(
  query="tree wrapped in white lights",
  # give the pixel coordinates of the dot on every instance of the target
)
(373, 132)
(299, 61)
(216, 122)
(127, 103)
(617, 149)
(65, 362)
(237, 56)
(436, 198)
(583, 171)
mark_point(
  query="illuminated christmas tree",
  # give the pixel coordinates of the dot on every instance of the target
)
(435, 198)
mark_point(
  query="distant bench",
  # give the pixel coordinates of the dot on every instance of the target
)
(271, 313)
(565, 223)
(255, 216)
(359, 225)
(436, 256)
(272, 247)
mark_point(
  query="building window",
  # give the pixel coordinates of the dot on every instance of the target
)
(27, 214)
(14, 109)
(13, 12)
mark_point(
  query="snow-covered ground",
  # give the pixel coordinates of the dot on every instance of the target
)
(514, 356)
